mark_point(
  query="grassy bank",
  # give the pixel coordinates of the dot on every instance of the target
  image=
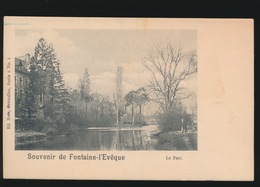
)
(28, 137)
(177, 141)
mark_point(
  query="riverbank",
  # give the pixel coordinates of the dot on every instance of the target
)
(29, 137)
(177, 141)
(170, 140)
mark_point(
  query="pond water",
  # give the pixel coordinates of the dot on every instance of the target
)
(96, 139)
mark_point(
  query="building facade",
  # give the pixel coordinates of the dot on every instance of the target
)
(22, 82)
(21, 77)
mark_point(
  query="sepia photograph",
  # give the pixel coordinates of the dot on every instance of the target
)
(109, 89)
(128, 98)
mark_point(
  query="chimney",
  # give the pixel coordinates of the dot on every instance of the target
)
(27, 58)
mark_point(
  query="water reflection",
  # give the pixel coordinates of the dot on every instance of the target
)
(95, 139)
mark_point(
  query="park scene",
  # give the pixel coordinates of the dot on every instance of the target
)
(106, 90)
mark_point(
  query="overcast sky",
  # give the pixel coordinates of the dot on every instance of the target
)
(101, 51)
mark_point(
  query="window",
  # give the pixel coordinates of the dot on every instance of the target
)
(20, 64)
(25, 82)
(16, 93)
(21, 81)
(41, 98)
(21, 94)
(15, 81)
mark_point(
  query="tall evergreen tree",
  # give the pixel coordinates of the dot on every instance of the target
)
(85, 90)
(62, 105)
(48, 70)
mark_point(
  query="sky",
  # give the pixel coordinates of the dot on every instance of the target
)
(101, 51)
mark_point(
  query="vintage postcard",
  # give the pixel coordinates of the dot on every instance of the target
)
(128, 98)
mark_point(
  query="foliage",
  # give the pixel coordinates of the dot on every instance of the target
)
(175, 119)
(49, 81)
(139, 119)
(50, 128)
(45, 125)
(177, 141)
(100, 110)
(105, 121)
(45, 81)
(136, 98)
(84, 86)
(78, 120)
(169, 121)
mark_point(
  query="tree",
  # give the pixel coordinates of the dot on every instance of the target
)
(169, 67)
(136, 98)
(62, 107)
(95, 105)
(76, 102)
(142, 98)
(118, 100)
(84, 86)
(175, 120)
(47, 67)
(130, 99)
(101, 111)
(77, 109)
(98, 104)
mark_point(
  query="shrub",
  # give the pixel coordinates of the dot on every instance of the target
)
(171, 121)
(139, 119)
(127, 119)
(39, 124)
(50, 127)
(106, 121)
(47, 126)
(78, 120)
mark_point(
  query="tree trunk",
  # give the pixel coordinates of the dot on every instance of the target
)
(133, 120)
(52, 107)
(132, 111)
(133, 115)
(119, 94)
(29, 117)
(96, 115)
(117, 116)
(140, 109)
(102, 110)
(43, 104)
(86, 111)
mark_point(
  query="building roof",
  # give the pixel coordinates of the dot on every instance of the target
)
(21, 66)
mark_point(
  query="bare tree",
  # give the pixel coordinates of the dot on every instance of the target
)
(98, 104)
(169, 66)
